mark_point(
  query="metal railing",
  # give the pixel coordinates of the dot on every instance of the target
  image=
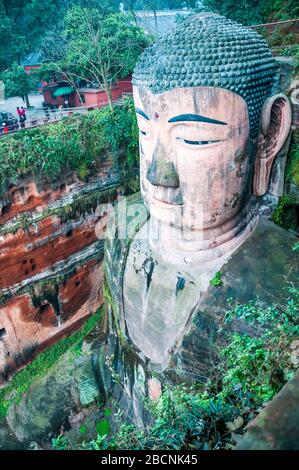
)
(274, 23)
(51, 116)
(279, 34)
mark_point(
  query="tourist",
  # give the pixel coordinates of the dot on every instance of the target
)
(5, 128)
(23, 113)
(22, 121)
(19, 112)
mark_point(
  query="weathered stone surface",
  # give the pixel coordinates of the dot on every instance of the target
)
(54, 403)
(50, 261)
(212, 120)
(277, 426)
(259, 269)
(8, 441)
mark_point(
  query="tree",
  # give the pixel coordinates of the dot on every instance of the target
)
(100, 48)
(246, 12)
(255, 11)
(153, 5)
(17, 83)
(11, 44)
(24, 23)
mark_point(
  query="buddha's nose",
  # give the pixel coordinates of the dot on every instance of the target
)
(162, 172)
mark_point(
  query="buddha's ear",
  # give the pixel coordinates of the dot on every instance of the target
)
(275, 127)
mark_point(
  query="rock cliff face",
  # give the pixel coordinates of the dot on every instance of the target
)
(265, 260)
(51, 250)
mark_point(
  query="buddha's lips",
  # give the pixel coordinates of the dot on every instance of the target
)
(176, 200)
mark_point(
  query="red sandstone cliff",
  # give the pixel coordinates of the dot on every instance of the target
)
(50, 262)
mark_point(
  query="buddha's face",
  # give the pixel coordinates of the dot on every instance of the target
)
(196, 167)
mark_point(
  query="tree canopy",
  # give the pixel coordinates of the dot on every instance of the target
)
(255, 11)
(17, 82)
(95, 47)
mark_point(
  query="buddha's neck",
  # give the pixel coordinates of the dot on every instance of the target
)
(200, 245)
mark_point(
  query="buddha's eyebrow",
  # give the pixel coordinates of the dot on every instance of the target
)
(197, 118)
(142, 113)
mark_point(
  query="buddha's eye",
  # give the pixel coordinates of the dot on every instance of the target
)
(197, 142)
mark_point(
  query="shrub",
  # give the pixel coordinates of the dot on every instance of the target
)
(76, 143)
(41, 364)
(285, 213)
(252, 369)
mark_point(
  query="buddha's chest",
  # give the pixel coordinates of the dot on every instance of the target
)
(159, 298)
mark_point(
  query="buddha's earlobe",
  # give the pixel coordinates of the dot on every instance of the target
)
(275, 127)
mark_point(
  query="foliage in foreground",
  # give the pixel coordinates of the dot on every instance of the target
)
(252, 369)
(38, 368)
(76, 143)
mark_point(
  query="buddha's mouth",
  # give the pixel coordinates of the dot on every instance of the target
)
(171, 200)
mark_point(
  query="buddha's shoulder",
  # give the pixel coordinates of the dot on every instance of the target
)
(263, 267)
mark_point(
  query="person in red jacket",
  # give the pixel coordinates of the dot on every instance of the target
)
(23, 113)
(5, 128)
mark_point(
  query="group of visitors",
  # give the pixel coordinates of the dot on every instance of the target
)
(22, 115)
(8, 123)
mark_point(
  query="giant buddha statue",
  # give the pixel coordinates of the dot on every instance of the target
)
(211, 123)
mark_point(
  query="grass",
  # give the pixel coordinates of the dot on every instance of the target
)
(38, 368)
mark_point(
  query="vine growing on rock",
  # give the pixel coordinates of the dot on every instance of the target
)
(75, 144)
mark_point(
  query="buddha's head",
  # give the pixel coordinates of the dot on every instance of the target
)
(210, 126)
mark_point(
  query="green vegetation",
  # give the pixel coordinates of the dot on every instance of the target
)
(285, 213)
(99, 47)
(80, 206)
(251, 370)
(17, 83)
(255, 11)
(262, 364)
(292, 169)
(38, 368)
(24, 23)
(217, 281)
(76, 142)
(60, 443)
